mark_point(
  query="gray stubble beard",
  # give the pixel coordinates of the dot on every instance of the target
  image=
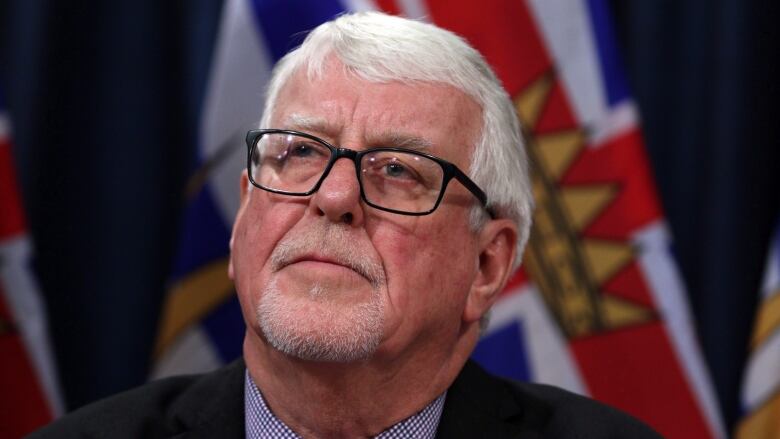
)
(338, 333)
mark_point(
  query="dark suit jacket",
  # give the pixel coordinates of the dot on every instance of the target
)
(478, 405)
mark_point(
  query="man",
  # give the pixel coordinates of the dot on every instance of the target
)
(366, 260)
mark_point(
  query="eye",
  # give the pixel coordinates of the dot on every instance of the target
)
(301, 150)
(396, 170)
(394, 167)
(306, 151)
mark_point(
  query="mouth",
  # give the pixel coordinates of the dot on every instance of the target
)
(328, 265)
(315, 262)
(316, 259)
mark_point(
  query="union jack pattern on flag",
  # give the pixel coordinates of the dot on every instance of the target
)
(30, 394)
(761, 386)
(599, 307)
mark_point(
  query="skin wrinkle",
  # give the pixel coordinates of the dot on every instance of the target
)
(384, 119)
(432, 294)
(353, 340)
(330, 242)
(386, 49)
(327, 131)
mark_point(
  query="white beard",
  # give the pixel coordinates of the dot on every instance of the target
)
(336, 333)
(314, 327)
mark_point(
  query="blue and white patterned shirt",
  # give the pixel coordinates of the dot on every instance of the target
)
(261, 423)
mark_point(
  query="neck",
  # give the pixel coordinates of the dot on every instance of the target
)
(360, 399)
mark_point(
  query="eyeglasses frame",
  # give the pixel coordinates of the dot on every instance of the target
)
(450, 170)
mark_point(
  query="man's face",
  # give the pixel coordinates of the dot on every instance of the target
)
(329, 278)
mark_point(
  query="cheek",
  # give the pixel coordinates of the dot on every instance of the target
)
(249, 250)
(256, 233)
(427, 269)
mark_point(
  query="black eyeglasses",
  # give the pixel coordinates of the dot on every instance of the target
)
(391, 179)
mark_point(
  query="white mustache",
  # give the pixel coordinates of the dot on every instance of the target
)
(332, 242)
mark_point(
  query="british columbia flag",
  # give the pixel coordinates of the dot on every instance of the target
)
(29, 392)
(760, 396)
(598, 307)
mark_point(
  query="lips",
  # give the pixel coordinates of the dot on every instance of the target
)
(327, 245)
(337, 264)
(317, 258)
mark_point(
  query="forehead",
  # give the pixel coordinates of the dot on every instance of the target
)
(356, 113)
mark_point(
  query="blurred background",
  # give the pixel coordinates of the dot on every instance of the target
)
(105, 101)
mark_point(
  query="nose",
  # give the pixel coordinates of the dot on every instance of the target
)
(338, 197)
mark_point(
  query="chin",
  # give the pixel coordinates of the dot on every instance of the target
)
(312, 328)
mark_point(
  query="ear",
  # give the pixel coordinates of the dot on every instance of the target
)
(243, 188)
(497, 241)
(243, 184)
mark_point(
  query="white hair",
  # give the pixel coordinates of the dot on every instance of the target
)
(383, 48)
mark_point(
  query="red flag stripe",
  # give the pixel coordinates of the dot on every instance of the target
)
(12, 218)
(503, 31)
(637, 370)
(23, 407)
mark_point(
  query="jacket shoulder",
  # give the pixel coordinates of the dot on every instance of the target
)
(480, 405)
(573, 415)
(162, 408)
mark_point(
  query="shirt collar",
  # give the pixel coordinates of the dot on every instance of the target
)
(261, 423)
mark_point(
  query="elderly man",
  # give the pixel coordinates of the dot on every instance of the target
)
(386, 202)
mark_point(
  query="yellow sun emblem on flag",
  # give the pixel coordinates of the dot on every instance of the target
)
(568, 268)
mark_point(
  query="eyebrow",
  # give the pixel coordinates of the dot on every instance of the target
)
(390, 138)
(400, 140)
(309, 123)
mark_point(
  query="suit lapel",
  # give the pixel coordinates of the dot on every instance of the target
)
(214, 407)
(478, 405)
(481, 406)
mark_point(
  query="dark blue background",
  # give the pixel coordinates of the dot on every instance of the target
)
(104, 99)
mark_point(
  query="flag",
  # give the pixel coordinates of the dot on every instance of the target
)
(760, 397)
(599, 308)
(30, 394)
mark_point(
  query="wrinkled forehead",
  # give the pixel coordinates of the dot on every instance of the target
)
(329, 63)
(313, 99)
(340, 106)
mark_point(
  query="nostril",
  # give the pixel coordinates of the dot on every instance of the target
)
(347, 218)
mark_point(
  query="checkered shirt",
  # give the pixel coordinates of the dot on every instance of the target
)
(261, 423)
